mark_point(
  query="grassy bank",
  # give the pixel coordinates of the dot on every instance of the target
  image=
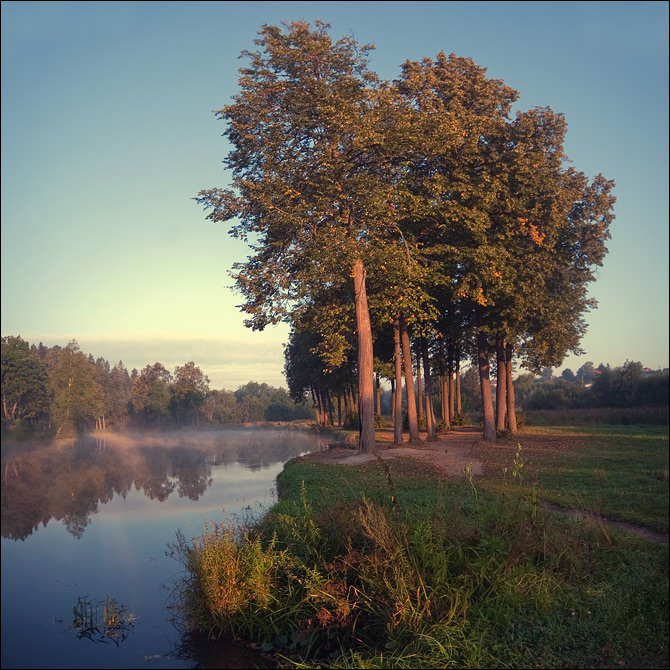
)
(388, 565)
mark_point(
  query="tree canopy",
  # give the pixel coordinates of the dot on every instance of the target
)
(428, 202)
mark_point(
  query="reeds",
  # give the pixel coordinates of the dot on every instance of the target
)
(105, 621)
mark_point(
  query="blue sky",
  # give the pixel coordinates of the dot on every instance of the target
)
(108, 134)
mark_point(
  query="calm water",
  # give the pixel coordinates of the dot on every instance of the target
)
(88, 519)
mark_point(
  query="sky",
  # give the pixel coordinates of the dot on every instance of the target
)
(108, 135)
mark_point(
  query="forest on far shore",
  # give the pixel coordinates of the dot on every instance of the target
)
(62, 391)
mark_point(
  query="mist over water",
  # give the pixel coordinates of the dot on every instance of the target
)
(91, 518)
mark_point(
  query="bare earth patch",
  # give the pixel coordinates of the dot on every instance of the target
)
(452, 452)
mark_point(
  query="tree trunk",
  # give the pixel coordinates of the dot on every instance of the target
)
(501, 382)
(397, 391)
(319, 414)
(444, 386)
(409, 383)
(430, 418)
(511, 408)
(419, 386)
(450, 378)
(459, 407)
(366, 407)
(485, 382)
(379, 394)
(329, 400)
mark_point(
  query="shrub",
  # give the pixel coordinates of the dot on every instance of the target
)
(460, 419)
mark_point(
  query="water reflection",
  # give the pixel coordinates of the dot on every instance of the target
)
(95, 517)
(68, 480)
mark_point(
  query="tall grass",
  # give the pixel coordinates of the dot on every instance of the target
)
(419, 573)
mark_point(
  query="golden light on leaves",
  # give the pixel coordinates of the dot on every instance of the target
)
(533, 231)
(536, 235)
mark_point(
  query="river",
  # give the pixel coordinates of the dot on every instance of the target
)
(86, 525)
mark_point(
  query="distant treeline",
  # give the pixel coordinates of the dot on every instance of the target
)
(628, 386)
(627, 394)
(62, 391)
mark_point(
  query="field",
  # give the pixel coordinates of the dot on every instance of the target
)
(548, 550)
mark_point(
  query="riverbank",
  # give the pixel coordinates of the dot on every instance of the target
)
(389, 560)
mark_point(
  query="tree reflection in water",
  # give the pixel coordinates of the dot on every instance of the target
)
(67, 480)
(111, 505)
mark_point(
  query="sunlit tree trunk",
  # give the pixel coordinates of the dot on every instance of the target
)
(458, 385)
(419, 386)
(409, 383)
(511, 409)
(501, 383)
(430, 418)
(489, 431)
(450, 379)
(444, 386)
(366, 409)
(397, 395)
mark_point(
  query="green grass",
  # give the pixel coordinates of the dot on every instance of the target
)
(619, 472)
(389, 565)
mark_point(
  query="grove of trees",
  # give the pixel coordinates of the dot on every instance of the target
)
(404, 227)
(61, 391)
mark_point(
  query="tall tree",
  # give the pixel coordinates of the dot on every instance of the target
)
(120, 393)
(189, 391)
(78, 399)
(311, 176)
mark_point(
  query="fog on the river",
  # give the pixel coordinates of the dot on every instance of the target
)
(90, 519)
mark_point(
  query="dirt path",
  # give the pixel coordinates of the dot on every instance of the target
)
(452, 453)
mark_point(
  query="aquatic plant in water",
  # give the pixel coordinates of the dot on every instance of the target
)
(114, 624)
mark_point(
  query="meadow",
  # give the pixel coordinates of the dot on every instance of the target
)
(556, 556)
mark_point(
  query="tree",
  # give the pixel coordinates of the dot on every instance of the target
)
(120, 393)
(568, 375)
(151, 392)
(524, 386)
(189, 391)
(586, 372)
(78, 399)
(312, 179)
(24, 380)
(470, 389)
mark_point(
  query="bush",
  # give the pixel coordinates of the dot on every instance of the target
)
(521, 420)
(351, 420)
(460, 419)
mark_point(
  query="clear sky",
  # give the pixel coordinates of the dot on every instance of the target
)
(108, 134)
